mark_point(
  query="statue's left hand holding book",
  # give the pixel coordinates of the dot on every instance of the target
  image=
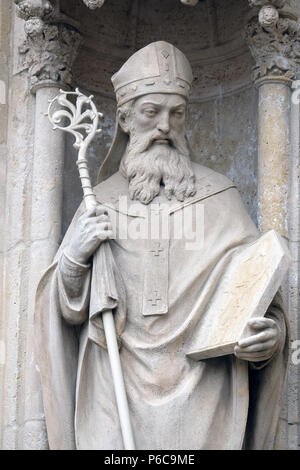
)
(249, 282)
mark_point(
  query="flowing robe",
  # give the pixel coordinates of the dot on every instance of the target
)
(174, 402)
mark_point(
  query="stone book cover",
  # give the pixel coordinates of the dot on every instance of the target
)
(246, 289)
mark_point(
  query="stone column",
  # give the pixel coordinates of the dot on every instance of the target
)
(45, 232)
(273, 148)
(48, 53)
(273, 36)
(273, 41)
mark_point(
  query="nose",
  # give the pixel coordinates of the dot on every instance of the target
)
(164, 123)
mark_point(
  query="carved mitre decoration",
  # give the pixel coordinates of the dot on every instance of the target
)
(274, 41)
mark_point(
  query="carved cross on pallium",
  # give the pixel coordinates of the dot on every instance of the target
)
(157, 249)
(156, 298)
(155, 291)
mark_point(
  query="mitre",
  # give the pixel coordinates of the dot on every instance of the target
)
(157, 68)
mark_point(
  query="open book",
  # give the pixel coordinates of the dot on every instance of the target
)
(246, 290)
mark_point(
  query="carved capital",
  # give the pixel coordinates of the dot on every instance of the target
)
(50, 46)
(274, 41)
(49, 55)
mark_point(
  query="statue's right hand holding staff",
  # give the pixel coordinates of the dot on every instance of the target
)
(92, 228)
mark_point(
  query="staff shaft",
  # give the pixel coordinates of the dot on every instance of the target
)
(77, 118)
(109, 325)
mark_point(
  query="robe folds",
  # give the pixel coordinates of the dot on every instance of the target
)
(174, 402)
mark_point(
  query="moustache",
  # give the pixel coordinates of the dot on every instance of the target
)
(161, 139)
(144, 142)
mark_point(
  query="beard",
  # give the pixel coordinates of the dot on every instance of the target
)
(151, 167)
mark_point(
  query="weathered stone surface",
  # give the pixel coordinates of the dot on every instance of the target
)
(27, 9)
(5, 26)
(275, 47)
(229, 149)
(28, 240)
(17, 265)
(51, 43)
(274, 149)
(49, 52)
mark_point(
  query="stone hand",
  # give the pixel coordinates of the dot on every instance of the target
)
(262, 344)
(92, 228)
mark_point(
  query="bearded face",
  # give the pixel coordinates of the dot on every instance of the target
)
(157, 156)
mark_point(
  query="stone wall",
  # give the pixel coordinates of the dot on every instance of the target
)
(19, 418)
(5, 24)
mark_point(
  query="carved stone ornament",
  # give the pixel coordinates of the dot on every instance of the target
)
(93, 4)
(49, 49)
(268, 16)
(34, 8)
(49, 52)
(274, 43)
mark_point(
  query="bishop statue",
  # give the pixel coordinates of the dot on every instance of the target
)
(151, 174)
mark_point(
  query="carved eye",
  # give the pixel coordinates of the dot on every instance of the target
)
(179, 113)
(150, 112)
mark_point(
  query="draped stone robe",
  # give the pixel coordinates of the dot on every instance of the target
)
(174, 402)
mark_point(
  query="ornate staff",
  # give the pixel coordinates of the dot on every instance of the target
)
(84, 132)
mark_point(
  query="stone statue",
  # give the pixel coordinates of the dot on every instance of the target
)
(148, 180)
